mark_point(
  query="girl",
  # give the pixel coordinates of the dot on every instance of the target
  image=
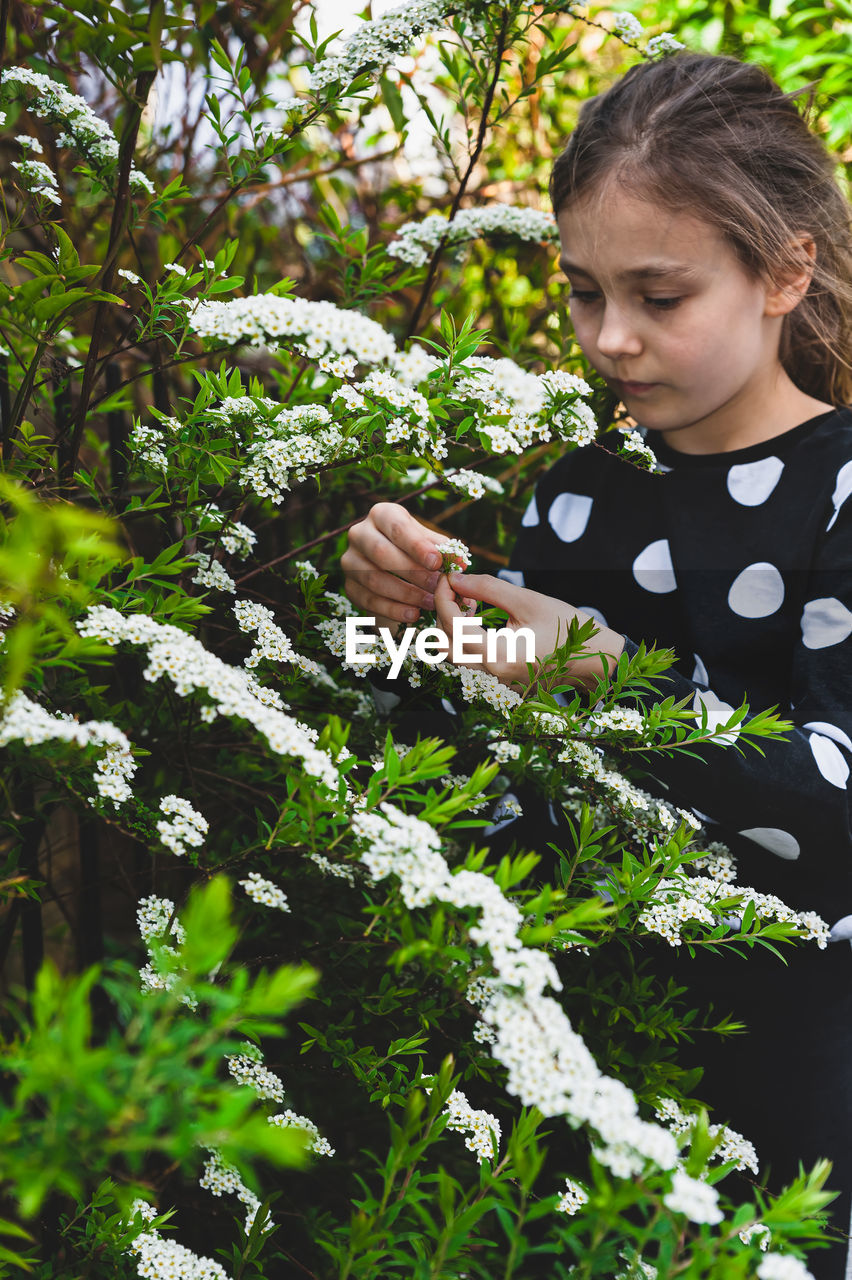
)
(708, 250)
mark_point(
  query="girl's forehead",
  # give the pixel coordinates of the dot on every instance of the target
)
(629, 236)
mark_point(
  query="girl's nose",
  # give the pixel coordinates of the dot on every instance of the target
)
(617, 336)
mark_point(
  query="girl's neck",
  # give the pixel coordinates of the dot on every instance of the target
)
(765, 412)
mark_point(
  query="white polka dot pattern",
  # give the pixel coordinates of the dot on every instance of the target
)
(699, 674)
(841, 931)
(825, 622)
(830, 760)
(569, 514)
(775, 840)
(842, 490)
(751, 483)
(757, 592)
(653, 568)
(718, 712)
(530, 519)
(829, 731)
(515, 576)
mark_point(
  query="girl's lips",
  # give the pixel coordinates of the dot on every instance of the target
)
(636, 388)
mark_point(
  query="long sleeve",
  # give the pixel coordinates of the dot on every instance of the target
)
(785, 807)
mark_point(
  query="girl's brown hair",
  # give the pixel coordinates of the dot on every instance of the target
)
(718, 138)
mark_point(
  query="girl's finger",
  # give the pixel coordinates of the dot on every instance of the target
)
(447, 610)
(367, 582)
(491, 590)
(409, 535)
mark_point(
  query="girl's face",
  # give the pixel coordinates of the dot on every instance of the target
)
(666, 313)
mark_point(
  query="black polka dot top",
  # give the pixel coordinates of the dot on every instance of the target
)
(742, 563)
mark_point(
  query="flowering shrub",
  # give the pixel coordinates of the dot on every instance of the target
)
(270, 965)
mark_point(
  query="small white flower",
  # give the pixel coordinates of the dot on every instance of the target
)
(186, 829)
(627, 26)
(782, 1266)
(265, 892)
(659, 46)
(130, 276)
(175, 268)
(698, 1200)
(573, 1198)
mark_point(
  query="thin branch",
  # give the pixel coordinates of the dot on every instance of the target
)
(474, 160)
(119, 216)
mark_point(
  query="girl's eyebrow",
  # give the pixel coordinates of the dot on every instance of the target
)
(651, 271)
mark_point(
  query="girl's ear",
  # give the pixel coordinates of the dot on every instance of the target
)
(784, 297)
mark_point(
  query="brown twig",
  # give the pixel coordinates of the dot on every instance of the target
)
(474, 159)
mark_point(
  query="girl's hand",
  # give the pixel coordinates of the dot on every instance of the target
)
(546, 617)
(391, 565)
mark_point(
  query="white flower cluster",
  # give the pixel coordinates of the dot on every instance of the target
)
(482, 1129)
(305, 571)
(455, 552)
(265, 892)
(757, 1230)
(282, 451)
(638, 1269)
(528, 401)
(547, 1063)
(210, 573)
(333, 632)
(659, 46)
(502, 750)
(476, 683)
(248, 1069)
(732, 1145)
(39, 178)
(717, 862)
(237, 539)
(146, 445)
(634, 443)
(272, 643)
(413, 366)
(191, 668)
(694, 1198)
(130, 276)
(410, 414)
(274, 646)
(152, 916)
(627, 26)
(375, 44)
(288, 1119)
(222, 1179)
(687, 898)
(82, 129)
(637, 808)
(164, 1259)
(588, 762)
(474, 483)
(782, 1266)
(617, 720)
(186, 829)
(27, 722)
(319, 328)
(666, 914)
(335, 869)
(418, 240)
(573, 1197)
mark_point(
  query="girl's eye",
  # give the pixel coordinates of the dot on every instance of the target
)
(584, 295)
(663, 304)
